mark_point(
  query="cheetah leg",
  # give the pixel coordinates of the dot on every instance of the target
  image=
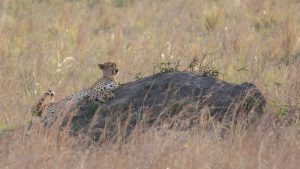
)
(109, 94)
(101, 99)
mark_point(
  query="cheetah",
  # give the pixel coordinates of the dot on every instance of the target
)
(39, 107)
(101, 90)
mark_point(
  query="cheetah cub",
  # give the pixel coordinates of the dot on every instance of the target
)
(40, 106)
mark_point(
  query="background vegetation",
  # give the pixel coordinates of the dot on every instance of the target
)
(58, 44)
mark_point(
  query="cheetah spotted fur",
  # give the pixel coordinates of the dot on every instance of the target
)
(101, 90)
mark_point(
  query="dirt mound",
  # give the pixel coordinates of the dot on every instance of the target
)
(175, 98)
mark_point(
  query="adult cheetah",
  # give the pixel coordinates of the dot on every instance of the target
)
(102, 89)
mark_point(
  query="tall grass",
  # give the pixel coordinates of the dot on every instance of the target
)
(59, 43)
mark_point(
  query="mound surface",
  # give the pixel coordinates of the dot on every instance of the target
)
(176, 98)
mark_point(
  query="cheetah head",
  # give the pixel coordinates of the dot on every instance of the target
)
(109, 69)
(50, 92)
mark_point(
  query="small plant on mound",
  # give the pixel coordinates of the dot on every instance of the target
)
(196, 65)
(210, 71)
(206, 69)
(169, 66)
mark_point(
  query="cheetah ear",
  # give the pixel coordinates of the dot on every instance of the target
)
(101, 66)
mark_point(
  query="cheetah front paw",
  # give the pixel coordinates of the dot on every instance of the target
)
(112, 96)
(101, 100)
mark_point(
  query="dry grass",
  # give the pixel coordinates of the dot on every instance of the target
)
(265, 146)
(59, 43)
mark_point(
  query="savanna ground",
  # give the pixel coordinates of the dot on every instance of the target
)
(59, 43)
